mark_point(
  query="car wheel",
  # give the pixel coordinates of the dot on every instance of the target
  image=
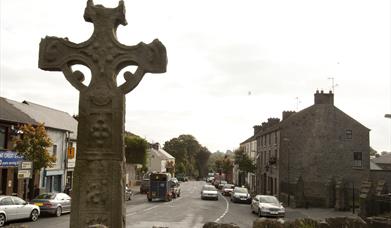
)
(58, 212)
(2, 219)
(34, 215)
(259, 213)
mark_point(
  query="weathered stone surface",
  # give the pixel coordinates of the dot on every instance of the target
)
(220, 225)
(346, 222)
(98, 184)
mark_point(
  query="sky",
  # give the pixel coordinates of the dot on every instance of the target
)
(231, 64)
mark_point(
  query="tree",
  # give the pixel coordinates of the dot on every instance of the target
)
(135, 149)
(32, 146)
(243, 161)
(372, 152)
(190, 156)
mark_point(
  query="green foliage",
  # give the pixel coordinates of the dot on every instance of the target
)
(33, 144)
(135, 149)
(243, 161)
(223, 164)
(190, 156)
(372, 152)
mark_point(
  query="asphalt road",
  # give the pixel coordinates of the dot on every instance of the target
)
(187, 211)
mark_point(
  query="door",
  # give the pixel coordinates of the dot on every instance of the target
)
(22, 210)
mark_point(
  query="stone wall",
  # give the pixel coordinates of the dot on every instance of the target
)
(342, 222)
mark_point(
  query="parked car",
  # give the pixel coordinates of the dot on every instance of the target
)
(53, 203)
(175, 188)
(265, 205)
(144, 186)
(221, 184)
(227, 189)
(14, 208)
(128, 193)
(209, 192)
(240, 194)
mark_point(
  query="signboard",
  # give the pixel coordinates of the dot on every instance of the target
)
(71, 152)
(24, 173)
(26, 165)
(9, 158)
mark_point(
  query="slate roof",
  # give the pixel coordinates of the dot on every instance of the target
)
(10, 113)
(384, 159)
(252, 138)
(29, 112)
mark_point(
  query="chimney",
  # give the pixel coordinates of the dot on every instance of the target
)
(257, 128)
(286, 114)
(156, 146)
(324, 98)
(273, 121)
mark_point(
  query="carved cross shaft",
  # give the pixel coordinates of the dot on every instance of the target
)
(98, 183)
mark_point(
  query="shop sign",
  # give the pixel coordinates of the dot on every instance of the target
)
(9, 158)
(24, 173)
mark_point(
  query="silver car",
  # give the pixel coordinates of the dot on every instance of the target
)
(53, 203)
(209, 192)
(13, 208)
(240, 194)
(265, 205)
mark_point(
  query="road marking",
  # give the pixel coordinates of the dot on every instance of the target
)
(226, 209)
(133, 213)
(147, 209)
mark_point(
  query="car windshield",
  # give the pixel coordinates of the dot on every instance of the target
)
(46, 196)
(268, 199)
(209, 188)
(241, 190)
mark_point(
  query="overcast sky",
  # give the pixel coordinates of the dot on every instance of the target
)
(231, 64)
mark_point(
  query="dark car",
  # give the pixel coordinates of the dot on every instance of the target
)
(144, 186)
(53, 203)
(182, 178)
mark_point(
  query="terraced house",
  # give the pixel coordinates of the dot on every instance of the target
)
(314, 157)
(61, 129)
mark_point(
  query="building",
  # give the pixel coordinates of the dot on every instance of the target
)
(249, 146)
(159, 160)
(314, 157)
(61, 129)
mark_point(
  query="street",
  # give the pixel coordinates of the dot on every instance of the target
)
(186, 211)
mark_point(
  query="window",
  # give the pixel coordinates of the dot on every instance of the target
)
(348, 134)
(18, 201)
(6, 201)
(54, 150)
(357, 159)
(2, 138)
(275, 138)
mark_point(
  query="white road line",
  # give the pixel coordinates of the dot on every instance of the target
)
(133, 213)
(226, 209)
(150, 208)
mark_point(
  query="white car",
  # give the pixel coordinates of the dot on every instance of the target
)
(240, 194)
(209, 192)
(265, 205)
(14, 208)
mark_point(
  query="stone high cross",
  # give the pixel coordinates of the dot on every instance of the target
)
(98, 182)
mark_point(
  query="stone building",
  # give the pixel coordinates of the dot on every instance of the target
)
(313, 157)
